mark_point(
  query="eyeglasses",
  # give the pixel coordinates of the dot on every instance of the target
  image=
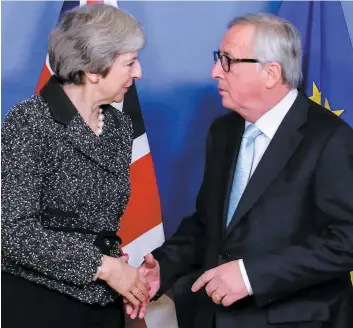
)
(226, 61)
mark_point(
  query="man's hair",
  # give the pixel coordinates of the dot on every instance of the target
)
(276, 40)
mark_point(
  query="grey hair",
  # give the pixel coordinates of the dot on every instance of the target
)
(276, 40)
(89, 38)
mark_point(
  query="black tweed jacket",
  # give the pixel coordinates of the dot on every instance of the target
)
(64, 190)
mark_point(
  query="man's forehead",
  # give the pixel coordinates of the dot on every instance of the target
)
(237, 38)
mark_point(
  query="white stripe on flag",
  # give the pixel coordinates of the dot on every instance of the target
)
(48, 65)
(140, 147)
(111, 2)
(144, 244)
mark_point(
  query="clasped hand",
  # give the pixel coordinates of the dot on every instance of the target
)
(150, 271)
(125, 279)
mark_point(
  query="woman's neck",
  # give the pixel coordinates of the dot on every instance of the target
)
(82, 98)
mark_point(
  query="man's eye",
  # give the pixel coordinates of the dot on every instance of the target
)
(131, 64)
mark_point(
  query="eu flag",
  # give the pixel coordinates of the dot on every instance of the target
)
(327, 54)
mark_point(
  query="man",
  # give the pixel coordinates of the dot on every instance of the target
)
(271, 240)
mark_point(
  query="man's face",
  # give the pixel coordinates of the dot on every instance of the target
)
(242, 86)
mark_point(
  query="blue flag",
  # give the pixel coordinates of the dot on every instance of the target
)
(327, 53)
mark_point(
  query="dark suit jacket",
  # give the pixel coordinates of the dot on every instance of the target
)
(293, 227)
(63, 192)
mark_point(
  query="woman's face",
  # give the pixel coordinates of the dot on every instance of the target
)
(120, 77)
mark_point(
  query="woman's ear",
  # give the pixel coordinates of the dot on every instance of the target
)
(92, 77)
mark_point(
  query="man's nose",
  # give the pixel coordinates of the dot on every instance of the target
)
(217, 70)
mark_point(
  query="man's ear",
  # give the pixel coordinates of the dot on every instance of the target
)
(274, 74)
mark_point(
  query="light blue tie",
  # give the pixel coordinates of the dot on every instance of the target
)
(243, 167)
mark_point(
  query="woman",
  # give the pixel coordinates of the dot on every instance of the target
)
(65, 180)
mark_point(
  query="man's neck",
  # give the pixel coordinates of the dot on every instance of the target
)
(269, 100)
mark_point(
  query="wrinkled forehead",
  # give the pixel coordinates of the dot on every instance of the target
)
(238, 40)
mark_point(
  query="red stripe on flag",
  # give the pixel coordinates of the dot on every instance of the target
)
(143, 211)
(93, 1)
(44, 78)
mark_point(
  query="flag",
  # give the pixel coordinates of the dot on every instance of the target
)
(141, 226)
(327, 54)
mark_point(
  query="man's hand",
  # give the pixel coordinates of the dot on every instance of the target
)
(151, 272)
(224, 284)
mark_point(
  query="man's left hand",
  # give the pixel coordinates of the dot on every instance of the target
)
(224, 284)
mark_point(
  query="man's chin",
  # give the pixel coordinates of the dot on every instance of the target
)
(226, 103)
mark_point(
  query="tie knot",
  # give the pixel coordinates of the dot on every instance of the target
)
(251, 132)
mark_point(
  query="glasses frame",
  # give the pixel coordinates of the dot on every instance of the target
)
(228, 60)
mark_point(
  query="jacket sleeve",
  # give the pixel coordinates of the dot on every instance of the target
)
(70, 257)
(184, 251)
(322, 257)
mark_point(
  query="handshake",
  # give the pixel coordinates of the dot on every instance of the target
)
(224, 284)
(137, 286)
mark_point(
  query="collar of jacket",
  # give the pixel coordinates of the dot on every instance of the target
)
(60, 105)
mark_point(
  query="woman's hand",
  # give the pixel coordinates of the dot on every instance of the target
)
(151, 271)
(124, 279)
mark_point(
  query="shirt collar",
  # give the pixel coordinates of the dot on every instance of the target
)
(270, 121)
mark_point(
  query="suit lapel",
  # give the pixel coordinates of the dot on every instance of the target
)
(279, 151)
(234, 131)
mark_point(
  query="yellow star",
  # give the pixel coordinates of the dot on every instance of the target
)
(317, 98)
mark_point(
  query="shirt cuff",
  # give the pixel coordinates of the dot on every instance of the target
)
(245, 277)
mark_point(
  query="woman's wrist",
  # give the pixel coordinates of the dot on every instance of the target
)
(102, 272)
(97, 274)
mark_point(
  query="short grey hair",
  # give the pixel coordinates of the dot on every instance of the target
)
(276, 40)
(89, 38)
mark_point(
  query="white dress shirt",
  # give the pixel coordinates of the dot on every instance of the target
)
(268, 125)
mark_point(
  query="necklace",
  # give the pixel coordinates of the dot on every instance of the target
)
(99, 130)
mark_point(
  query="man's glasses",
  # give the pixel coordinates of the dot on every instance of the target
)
(226, 61)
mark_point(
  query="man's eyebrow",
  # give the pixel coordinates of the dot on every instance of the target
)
(224, 52)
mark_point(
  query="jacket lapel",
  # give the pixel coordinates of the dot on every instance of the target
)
(279, 151)
(234, 131)
(104, 149)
